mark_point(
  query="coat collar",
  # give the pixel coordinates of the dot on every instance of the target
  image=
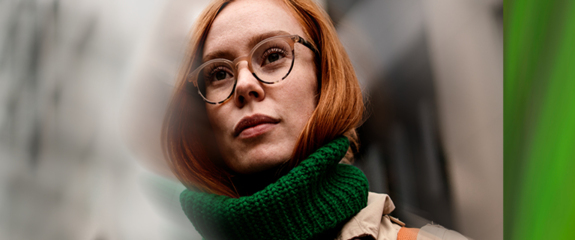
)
(373, 220)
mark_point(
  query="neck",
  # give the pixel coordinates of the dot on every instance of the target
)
(248, 184)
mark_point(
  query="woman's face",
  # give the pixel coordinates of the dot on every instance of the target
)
(258, 127)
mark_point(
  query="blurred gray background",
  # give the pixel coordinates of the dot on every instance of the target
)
(84, 84)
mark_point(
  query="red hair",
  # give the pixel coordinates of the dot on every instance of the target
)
(339, 108)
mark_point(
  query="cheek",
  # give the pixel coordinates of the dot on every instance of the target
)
(216, 118)
(313, 80)
(303, 93)
(311, 84)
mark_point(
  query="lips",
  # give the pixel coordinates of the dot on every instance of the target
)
(253, 121)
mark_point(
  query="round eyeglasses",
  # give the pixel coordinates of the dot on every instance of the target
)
(270, 61)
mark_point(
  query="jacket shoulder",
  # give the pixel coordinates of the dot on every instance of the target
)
(374, 222)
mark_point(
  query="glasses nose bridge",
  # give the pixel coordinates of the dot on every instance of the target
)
(237, 62)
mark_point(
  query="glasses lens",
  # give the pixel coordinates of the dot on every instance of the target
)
(272, 60)
(216, 81)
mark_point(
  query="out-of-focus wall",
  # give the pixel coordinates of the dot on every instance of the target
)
(466, 43)
(65, 169)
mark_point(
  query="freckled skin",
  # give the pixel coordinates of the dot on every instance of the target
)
(292, 101)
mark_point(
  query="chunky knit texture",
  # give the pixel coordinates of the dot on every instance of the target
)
(313, 198)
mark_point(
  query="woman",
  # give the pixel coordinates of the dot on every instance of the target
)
(281, 99)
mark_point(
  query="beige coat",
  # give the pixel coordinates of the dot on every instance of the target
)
(374, 221)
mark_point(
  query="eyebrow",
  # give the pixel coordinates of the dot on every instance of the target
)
(252, 41)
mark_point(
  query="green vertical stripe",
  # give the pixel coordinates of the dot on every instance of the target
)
(539, 119)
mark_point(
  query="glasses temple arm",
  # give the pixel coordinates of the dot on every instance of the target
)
(307, 44)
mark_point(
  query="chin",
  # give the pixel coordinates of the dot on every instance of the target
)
(262, 154)
(258, 160)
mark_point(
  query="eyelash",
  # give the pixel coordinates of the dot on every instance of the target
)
(273, 49)
(217, 68)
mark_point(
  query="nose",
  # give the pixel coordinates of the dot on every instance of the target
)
(248, 88)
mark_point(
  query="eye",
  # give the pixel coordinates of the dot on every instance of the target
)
(272, 55)
(218, 74)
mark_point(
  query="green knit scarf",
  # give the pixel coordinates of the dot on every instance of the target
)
(315, 197)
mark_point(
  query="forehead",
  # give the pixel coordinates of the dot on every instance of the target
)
(244, 19)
